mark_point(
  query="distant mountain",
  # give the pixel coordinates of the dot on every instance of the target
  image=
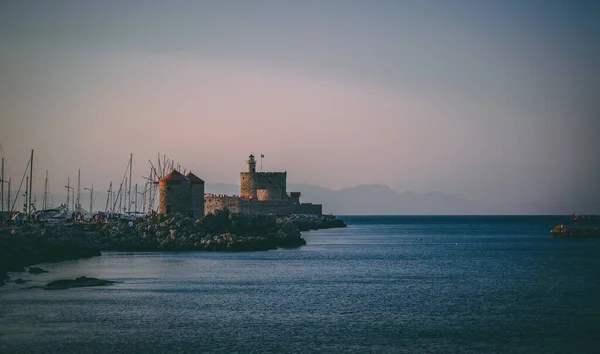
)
(372, 200)
(382, 200)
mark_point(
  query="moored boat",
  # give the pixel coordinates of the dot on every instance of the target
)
(584, 226)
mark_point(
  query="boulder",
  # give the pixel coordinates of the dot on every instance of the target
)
(36, 270)
(76, 283)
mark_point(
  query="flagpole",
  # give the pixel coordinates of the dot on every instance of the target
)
(261, 157)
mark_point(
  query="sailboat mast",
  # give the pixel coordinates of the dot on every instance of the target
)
(68, 191)
(8, 201)
(77, 204)
(144, 198)
(30, 183)
(25, 199)
(91, 198)
(108, 196)
(130, 168)
(45, 200)
(149, 190)
(136, 193)
(2, 186)
(123, 198)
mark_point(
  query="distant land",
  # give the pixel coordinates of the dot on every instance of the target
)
(376, 199)
(373, 199)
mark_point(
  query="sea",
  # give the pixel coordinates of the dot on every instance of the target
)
(384, 284)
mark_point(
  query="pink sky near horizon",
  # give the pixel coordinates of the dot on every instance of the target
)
(524, 137)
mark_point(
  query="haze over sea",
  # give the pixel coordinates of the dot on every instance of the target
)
(415, 284)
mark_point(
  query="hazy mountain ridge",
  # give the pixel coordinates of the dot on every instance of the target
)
(372, 200)
(381, 200)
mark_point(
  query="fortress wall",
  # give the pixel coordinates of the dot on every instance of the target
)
(175, 199)
(268, 194)
(309, 208)
(214, 203)
(250, 182)
(277, 207)
(269, 207)
(294, 197)
(255, 206)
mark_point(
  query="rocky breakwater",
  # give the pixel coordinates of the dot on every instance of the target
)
(27, 245)
(306, 222)
(221, 231)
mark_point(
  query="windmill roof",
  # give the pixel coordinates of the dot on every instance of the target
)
(174, 177)
(194, 179)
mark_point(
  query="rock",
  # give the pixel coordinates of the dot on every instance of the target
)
(76, 283)
(36, 270)
(20, 281)
(221, 231)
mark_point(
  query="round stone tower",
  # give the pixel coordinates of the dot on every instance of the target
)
(174, 194)
(197, 185)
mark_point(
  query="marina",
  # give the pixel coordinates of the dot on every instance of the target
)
(125, 202)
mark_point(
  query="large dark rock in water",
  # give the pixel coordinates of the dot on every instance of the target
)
(76, 283)
(36, 270)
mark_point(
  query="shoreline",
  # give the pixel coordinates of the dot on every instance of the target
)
(28, 245)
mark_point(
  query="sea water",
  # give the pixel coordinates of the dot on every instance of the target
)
(384, 284)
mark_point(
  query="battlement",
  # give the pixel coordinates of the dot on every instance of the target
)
(267, 174)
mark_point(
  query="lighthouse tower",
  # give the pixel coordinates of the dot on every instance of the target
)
(251, 164)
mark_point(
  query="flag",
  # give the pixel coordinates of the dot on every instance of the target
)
(262, 156)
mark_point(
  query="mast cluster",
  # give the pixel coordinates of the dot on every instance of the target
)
(124, 200)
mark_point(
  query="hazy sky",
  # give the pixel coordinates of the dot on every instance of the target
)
(487, 100)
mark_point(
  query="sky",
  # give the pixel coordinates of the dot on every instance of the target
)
(485, 100)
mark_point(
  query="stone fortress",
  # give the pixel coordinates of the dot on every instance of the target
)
(260, 193)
